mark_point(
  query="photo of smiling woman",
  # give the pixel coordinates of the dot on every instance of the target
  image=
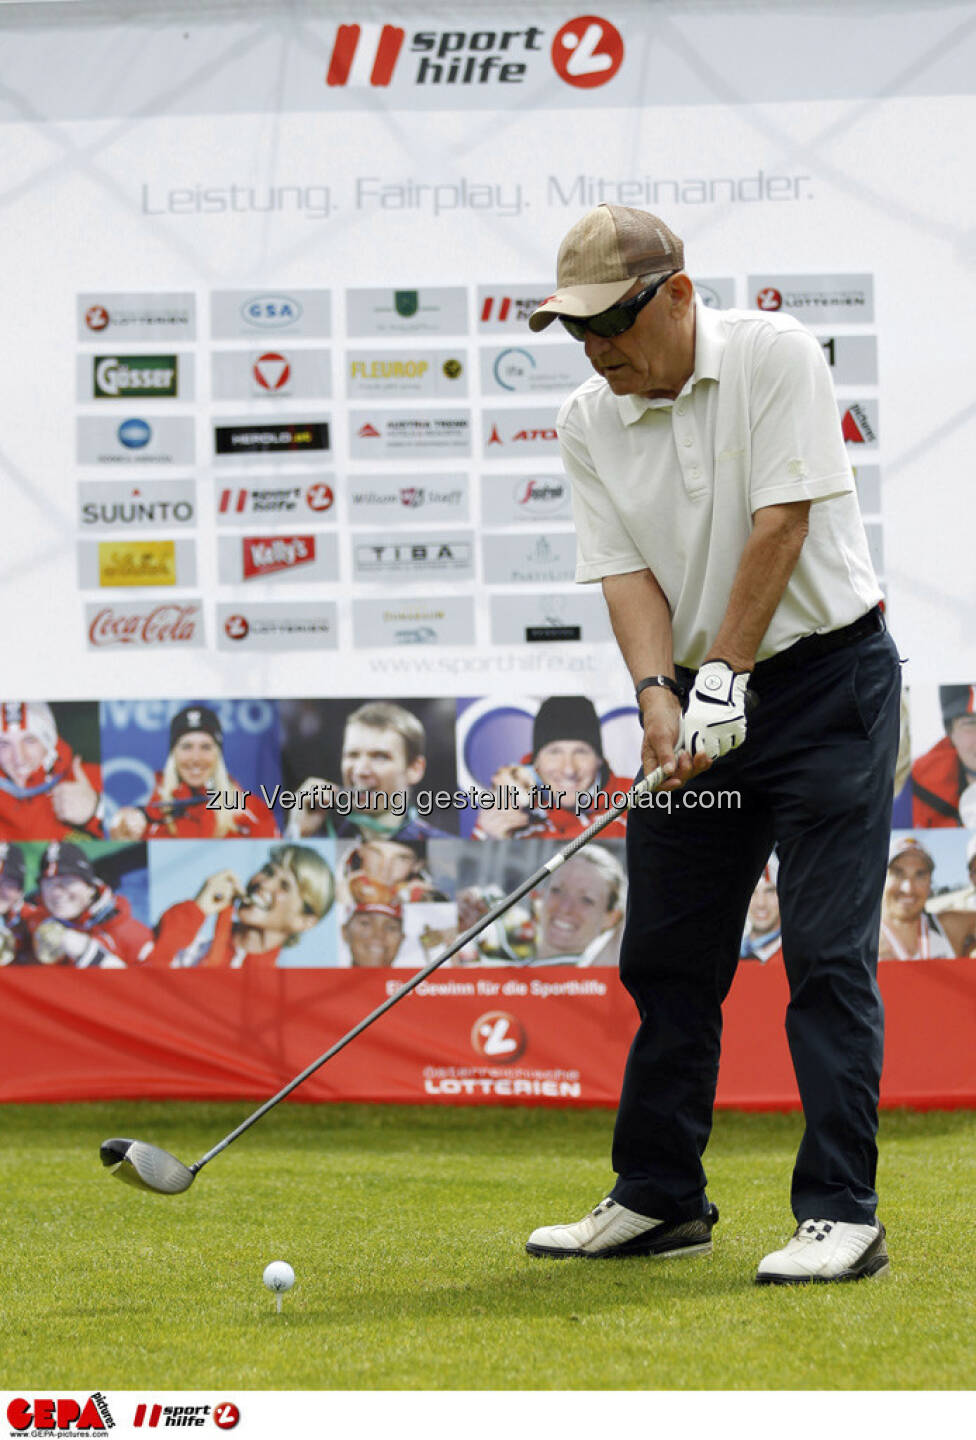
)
(194, 797)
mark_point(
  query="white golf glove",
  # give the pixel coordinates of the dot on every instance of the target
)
(715, 720)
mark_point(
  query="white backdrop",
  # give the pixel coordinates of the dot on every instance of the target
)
(126, 127)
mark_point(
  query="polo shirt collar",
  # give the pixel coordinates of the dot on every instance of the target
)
(709, 346)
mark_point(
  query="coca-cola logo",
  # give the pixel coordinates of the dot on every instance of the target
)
(158, 625)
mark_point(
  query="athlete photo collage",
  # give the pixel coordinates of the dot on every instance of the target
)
(362, 833)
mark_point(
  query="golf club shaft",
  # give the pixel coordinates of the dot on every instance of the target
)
(645, 786)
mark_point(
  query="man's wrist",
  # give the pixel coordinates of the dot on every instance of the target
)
(738, 666)
(665, 682)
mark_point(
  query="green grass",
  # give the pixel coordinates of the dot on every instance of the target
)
(405, 1226)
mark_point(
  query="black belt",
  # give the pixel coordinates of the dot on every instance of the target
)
(811, 647)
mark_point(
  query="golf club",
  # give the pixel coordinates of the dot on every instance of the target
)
(149, 1168)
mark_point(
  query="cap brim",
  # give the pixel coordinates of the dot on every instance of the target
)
(579, 301)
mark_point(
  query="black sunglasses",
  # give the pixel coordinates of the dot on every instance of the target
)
(618, 318)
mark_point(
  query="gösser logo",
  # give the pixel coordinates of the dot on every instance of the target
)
(769, 298)
(498, 1036)
(587, 51)
(271, 312)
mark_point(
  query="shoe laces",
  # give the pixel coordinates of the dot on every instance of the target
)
(810, 1231)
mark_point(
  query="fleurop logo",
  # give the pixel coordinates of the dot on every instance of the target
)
(587, 52)
(63, 1416)
(499, 1037)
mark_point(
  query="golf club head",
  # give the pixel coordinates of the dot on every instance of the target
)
(146, 1166)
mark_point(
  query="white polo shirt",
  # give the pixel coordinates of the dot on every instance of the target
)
(672, 486)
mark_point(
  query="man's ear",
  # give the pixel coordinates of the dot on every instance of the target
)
(681, 292)
(415, 770)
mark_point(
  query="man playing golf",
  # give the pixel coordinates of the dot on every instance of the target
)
(714, 501)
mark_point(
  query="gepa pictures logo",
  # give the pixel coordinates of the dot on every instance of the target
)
(585, 53)
(65, 1415)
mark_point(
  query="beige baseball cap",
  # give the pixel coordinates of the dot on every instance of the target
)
(908, 845)
(601, 257)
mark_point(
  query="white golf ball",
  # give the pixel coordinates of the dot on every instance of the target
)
(279, 1276)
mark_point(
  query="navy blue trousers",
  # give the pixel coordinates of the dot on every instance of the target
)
(815, 776)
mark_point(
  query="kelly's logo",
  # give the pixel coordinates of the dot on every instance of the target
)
(267, 555)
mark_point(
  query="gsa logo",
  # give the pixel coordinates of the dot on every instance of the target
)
(513, 368)
(134, 434)
(271, 312)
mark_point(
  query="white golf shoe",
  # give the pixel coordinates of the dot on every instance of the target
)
(612, 1229)
(823, 1250)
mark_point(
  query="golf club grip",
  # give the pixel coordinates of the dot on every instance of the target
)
(645, 786)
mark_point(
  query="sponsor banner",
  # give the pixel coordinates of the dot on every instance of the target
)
(164, 440)
(433, 374)
(128, 563)
(245, 438)
(509, 499)
(122, 505)
(278, 314)
(449, 555)
(526, 559)
(508, 307)
(518, 370)
(136, 316)
(375, 433)
(717, 294)
(278, 625)
(249, 559)
(867, 478)
(273, 373)
(519, 434)
(432, 311)
(133, 625)
(853, 359)
(407, 499)
(859, 421)
(131, 379)
(817, 299)
(448, 620)
(312, 498)
(534, 618)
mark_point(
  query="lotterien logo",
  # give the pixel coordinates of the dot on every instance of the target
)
(120, 377)
(498, 1036)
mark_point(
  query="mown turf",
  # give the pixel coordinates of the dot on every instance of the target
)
(405, 1226)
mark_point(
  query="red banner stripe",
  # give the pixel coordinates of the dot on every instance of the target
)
(343, 53)
(391, 38)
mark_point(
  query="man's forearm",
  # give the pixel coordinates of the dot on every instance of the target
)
(641, 620)
(767, 563)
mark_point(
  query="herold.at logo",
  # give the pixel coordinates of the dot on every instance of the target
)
(136, 562)
(145, 625)
(64, 1415)
(266, 555)
(124, 377)
(499, 1037)
(258, 439)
